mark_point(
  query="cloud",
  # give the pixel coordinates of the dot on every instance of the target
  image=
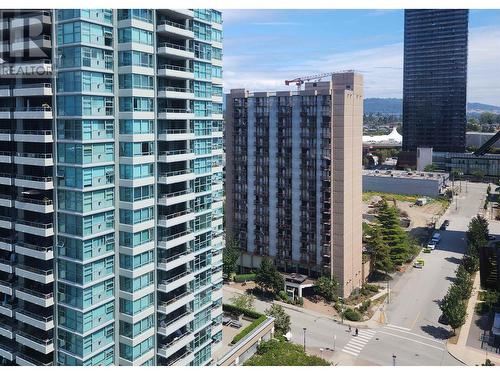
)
(382, 67)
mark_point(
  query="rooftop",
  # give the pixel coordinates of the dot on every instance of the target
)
(408, 175)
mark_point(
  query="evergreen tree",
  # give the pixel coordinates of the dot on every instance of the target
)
(392, 233)
(380, 251)
(463, 282)
(477, 235)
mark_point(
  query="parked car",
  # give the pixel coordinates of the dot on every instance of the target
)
(431, 244)
(491, 237)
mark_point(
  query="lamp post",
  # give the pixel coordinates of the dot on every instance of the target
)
(305, 329)
(334, 341)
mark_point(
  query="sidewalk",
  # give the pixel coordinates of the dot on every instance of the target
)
(460, 351)
(371, 323)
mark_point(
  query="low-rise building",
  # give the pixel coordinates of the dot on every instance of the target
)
(402, 182)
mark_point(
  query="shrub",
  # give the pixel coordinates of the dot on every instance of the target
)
(364, 306)
(299, 301)
(352, 315)
(231, 309)
(244, 277)
(371, 287)
(283, 296)
(248, 329)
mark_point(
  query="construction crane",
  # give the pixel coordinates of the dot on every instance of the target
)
(300, 80)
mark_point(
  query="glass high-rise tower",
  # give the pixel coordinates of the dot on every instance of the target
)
(435, 79)
(111, 187)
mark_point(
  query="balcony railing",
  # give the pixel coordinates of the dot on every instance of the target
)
(36, 293)
(40, 341)
(33, 155)
(177, 235)
(175, 340)
(35, 270)
(35, 224)
(34, 132)
(175, 152)
(175, 110)
(176, 89)
(34, 109)
(34, 86)
(175, 299)
(176, 173)
(174, 278)
(176, 193)
(36, 316)
(174, 67)
(175, 46)
(172, 258)
(171, 321)
(43, 249)
(42, 202)
(32, 360)
(175, 214)
(175, 24)
(34, 178)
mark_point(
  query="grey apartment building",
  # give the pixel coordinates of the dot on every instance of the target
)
(435, 79)
(293, 177)
(111, 186)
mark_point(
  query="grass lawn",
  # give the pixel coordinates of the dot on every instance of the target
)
(281, 353)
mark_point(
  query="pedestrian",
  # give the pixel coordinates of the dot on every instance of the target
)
(349, 328)
(356, 331)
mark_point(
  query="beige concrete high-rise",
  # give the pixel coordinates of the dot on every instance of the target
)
(293, 178)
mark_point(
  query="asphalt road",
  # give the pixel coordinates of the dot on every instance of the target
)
(411, 332)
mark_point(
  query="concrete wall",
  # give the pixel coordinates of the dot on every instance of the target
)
(400, 185)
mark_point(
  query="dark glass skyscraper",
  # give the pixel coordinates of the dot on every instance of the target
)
(435, 79)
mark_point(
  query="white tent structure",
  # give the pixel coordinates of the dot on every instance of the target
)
(393, 139)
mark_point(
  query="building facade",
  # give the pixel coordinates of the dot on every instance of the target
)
(293, 177)
(435, 79)
(111, 203)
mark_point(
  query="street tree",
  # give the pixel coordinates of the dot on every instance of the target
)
(326, 288)
(268, 277)
(230, 256)
(453, 307)
(477, 235)
(281, 318)
(243, 301)
(463, 281)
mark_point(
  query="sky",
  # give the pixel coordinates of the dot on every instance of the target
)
(262, 48)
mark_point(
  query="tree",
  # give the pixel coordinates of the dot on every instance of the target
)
(470, 263)
(326, 288)
(230, 256)
(477, 235)
(281, 318)
(464, 282)
(380, 251)
(392, 233)
(478, 173)
(453, 307)
(268, 277)
(430, 168)
(243, 301)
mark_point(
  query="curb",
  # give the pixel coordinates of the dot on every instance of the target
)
(453, 355)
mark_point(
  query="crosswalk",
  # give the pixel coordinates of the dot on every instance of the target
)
(357, 343)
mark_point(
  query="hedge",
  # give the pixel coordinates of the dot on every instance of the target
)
(244, 277)
(238, 310)
(248, 329)
(352, 315)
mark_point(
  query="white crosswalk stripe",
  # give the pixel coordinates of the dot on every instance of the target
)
(357, 343)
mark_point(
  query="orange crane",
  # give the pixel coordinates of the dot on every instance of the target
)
(300, 80)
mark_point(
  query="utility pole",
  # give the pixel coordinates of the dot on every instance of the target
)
(305, 329)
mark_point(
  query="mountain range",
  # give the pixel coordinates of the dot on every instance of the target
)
(394, 106)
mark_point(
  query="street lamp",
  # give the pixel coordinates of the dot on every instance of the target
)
(394, 359)
(334, 340)
(305, 329)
